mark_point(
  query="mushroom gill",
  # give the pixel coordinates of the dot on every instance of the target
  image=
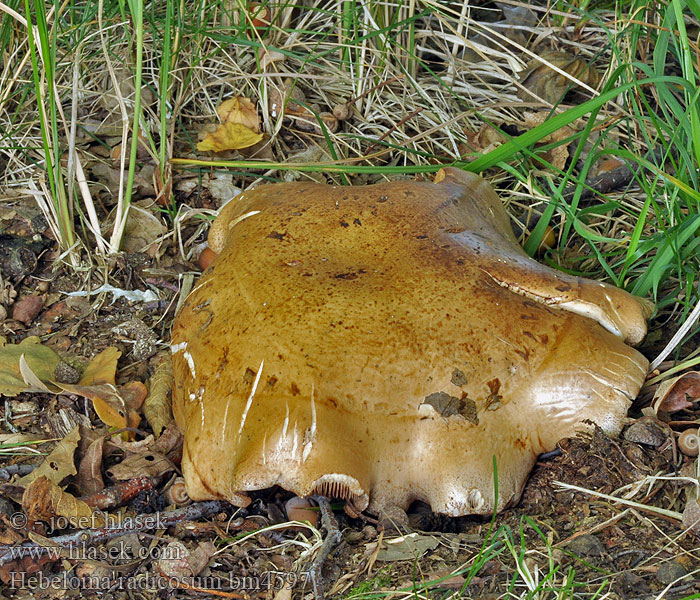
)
(388, 343)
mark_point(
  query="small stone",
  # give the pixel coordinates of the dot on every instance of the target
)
(630, 584)
(369, 532)
(670, 572)
(394, 520)
(353, 536)
(586, 545)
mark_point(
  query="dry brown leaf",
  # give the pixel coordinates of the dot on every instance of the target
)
(229, 136)
(143, 232)
(26, 309)
(134, 394)
(90, 469)
(558, 155)
(59, 464)
(691, 516)
(43, 500)
(677, 393)
(149, 464)
(550, 85)
(480, 142)
(102, 368)
(170, 442)
(407, 547)
(240, 110)
(178, 561)
(156, 407)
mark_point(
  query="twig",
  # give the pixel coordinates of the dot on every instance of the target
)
(137, 524)
(7, 472)
(391, 130)
(611, 180)
(119, 494)
(333, 537)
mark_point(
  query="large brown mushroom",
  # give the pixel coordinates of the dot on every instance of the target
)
(387, 343)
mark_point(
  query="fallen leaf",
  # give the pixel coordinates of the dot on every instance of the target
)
(677, 393)
(541, 80)
(143, 232)
(39, 359)
(59, 464)
(149, 463)
(240, 110)
(112, 404)
(170, 442)
(25, 564)
(134, 394)
(108, 404)
(178, 561)
(448, 580)
(90, 469)
(229, 136)
(480, 142)
(285, 592)
(407, 547)
(558, 155)
(102, 368)
(26, 309)
(34, 384)
(43, 500)
(156, 407)
(691, 516)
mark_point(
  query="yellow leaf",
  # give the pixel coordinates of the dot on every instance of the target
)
(59, 464)
(156, 407)
(102, 368)
(229, 136)
(239, 110)
(106, 400)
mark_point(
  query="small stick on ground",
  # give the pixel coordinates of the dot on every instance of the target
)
(609, 181)
(118, 494)
(333, 537)
(137, 524)
(7, 472)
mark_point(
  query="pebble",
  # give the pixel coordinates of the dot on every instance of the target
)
(670, 572)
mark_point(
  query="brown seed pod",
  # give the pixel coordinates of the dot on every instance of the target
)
(260, 15)
(206, 258)
(342, 111)
(289, 93)
(689, 442)
(330, 121)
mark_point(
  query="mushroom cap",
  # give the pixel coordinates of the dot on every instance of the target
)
(390, 343)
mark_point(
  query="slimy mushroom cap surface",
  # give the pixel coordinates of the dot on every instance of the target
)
(386, 344)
